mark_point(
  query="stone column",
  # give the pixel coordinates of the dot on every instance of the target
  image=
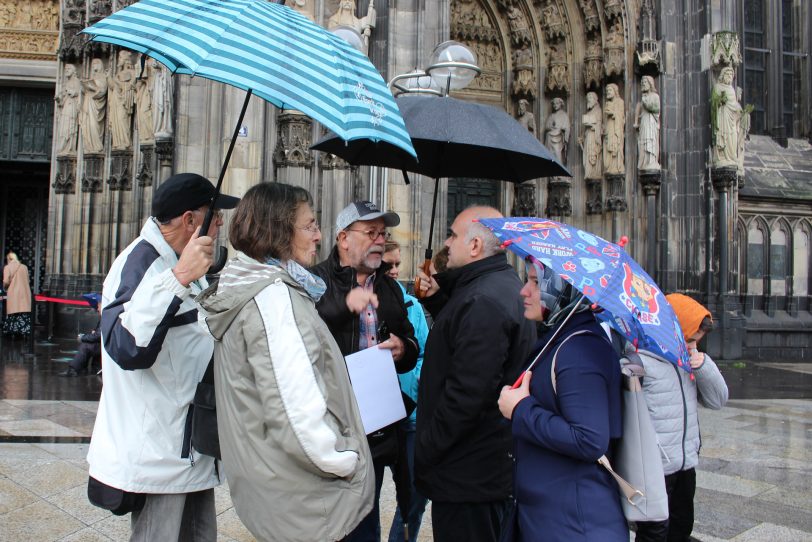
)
(292, 158)
(651, 181)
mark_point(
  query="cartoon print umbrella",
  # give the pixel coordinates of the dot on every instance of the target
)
(606, 275)
(269, 50)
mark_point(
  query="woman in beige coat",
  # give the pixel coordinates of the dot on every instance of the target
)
(18, 297)
(293, 446)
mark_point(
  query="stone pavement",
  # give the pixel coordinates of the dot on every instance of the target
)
(754, 480)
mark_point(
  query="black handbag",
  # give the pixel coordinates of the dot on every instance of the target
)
(116, 500)
(205, 437)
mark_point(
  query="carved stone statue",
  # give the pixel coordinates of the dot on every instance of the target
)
(305, 7)
(122, 101)
(345, 16)
(590, 140)
(647, 122)
(614, 120)
(525, 117)
(143, 102)
(727, 114)
(524, 79)
(557, 131)
(94, 108)
(69, 103)
(558, 70)
(163, 92)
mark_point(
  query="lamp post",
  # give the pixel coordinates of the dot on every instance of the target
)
(452, 66)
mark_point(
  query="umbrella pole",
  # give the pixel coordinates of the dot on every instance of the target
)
(210, 214)
(426, 267)
(548, 343)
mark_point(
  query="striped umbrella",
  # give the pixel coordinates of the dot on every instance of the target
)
(268, 49)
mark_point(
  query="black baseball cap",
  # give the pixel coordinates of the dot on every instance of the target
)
(185, 192)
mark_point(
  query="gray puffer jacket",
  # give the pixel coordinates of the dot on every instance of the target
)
(297, 463)
(671, 397)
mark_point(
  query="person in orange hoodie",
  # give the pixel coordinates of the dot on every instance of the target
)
(672, 396)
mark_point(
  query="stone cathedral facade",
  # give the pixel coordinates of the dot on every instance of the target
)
(686, 125)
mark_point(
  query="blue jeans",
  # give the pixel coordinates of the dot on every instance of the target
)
(418, 502)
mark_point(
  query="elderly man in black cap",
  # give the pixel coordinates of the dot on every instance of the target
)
(154, 354)
(364, 307)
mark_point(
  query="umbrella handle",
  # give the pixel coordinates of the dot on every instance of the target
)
(426, 268)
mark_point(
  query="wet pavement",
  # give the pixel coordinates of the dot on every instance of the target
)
(754, 480)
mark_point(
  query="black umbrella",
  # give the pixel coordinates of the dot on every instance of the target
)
(454, 138)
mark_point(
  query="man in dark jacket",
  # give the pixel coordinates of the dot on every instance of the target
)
(89, 352)
(479, 342)
(364, 307)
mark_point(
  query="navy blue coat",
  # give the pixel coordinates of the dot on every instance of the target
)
(562, 493)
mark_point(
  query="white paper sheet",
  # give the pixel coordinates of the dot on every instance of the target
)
(376, 387)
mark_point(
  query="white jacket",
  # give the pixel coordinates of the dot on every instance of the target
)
(671, 397)
(154, 354)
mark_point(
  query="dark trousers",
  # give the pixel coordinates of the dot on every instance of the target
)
(680, 487)
(88, 352)
(369, 530)
(468, 521)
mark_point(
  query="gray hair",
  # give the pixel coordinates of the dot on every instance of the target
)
(490, 243)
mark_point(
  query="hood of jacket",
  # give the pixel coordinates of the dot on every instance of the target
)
(223, 302)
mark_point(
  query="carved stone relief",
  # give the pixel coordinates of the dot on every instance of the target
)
(648, 50)
(92, 177)
(616, 201)
(121, 4)
(726, 119)
(557, 131)
(517, 22)
(647, 123)
(145, 175)
(121, 101)
(615, 50)
(99, 9)
(73, 20)
(65, 180)
(93, 116)
(614, 122)
(470, 21)
(524, 199)
(558, 79)
(558, 197)
(120, 172)
(305, 7)
(592, 21)
(551, 21)
(613, 9)
(30, 29)
(594, 196)
(526, 117)
(524, 73)
(593, 64)
(345, 16)
(725, 49)
(68, 102)
(293, 145)
(591, 136)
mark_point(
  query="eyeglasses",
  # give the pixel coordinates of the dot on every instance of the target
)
(313, 227)
(372, 234)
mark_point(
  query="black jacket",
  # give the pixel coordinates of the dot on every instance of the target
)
(345, 327)
(478, 344)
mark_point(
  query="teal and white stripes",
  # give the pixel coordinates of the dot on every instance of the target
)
(269, 48)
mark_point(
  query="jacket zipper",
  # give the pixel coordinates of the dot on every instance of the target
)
(684, 414)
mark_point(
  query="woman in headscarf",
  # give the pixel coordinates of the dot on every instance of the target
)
(292, 442)
(564, 417)
(18, 297)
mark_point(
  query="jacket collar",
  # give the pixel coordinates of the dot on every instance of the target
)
(465, 274)
(152, 233)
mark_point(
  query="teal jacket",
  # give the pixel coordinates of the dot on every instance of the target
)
(409, 381)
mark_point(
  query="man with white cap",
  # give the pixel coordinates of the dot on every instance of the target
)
(364, 307)
(154, 354)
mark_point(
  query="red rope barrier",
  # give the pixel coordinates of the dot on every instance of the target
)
(60, 300)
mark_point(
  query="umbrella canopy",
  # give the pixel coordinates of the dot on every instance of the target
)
(633, 303)
(268, 49)
(455, 138)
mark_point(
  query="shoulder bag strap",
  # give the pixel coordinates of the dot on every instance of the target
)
(630, 492)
